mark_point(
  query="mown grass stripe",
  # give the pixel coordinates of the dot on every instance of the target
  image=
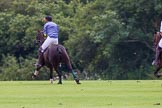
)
(90, 94)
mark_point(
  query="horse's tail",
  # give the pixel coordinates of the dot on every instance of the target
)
(64, 56)
(57, 55)
(53, 55)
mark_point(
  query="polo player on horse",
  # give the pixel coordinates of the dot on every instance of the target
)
(50, 30)
(158, 48)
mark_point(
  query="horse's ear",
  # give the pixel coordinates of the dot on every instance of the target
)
(40, 31)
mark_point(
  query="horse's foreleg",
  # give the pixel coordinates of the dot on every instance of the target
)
(36, 72)
(156, 73)
(59, 72)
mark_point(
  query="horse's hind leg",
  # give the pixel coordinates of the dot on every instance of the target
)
(60, 77)
(75, 78)
(73, 73)
(51, 75)
(59, 72)
(66, 60)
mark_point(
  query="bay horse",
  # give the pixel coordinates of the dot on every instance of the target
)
(53, 56)
(156, 38)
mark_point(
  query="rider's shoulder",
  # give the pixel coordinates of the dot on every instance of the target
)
(51, 23)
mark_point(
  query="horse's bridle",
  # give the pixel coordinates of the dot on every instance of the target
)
(40, 41)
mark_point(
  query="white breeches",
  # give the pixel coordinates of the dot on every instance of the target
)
(49, 41)
(160, 43)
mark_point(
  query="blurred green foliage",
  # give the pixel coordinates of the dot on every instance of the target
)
(105, 39)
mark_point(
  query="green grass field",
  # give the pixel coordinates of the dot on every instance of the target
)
(90, 94)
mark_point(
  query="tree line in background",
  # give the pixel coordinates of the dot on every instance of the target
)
(105, 39)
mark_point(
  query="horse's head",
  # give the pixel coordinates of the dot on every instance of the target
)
(39, 37)
(156, 39)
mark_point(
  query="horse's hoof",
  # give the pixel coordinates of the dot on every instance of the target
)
(77, 81)
(157, 75)
(34, 76)
(59, 83)
(52, 81)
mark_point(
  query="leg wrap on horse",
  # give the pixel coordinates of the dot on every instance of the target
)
(75, 77)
